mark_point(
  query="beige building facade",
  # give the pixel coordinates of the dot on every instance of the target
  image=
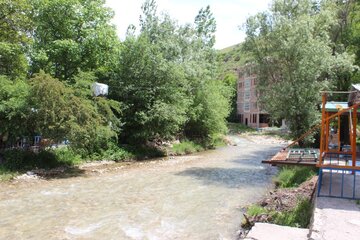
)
(248, 108)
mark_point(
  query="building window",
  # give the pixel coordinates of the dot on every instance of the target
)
(246, 106)
(254, 116)
(247, 83)
(241, 118)
(247, 95)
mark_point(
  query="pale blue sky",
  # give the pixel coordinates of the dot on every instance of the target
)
(229, 15)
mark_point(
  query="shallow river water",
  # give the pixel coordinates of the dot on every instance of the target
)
(193, 197)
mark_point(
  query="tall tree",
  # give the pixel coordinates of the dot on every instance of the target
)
(15, 27)
(61, 112)
(71, 35)
(293, 51)
(166, 79)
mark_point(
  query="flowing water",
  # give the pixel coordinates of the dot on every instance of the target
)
(193, 197)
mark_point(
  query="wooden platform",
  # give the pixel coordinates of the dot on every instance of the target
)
(302, 157)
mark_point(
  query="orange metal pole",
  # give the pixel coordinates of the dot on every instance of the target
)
(338, 132)
(322, 128)
(353, 147)
(327, 134)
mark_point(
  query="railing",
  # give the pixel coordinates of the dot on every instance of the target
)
(339, 183)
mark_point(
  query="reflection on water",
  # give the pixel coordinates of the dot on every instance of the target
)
(194, 197)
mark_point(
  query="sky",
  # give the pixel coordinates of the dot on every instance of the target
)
(229, 15)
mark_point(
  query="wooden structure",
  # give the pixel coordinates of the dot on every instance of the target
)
(339, 168)
(336, 153)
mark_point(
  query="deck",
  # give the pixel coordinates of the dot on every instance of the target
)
(304, 157)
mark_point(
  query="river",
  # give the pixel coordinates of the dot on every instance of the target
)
(192, 197)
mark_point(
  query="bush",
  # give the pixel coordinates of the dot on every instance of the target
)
(67, 156)
(17, 159)
(6, 174)
(298, 217)
(116, 153)
(186, 147)
(22, 160)
(235, 128)
(293, 176)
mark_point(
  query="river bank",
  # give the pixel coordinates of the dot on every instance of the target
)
(93, 168)
(283, 207)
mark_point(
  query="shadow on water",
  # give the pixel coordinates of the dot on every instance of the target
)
(247, 171)
(227, 177)
(255, 159)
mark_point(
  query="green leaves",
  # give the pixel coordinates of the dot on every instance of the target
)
(295, 59)
(60, 112)
(165, 79)
(72, 35)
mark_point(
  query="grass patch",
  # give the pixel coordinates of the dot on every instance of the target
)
(18, 161)
(236, 128)
(255, 210)
(113, 153)
(293, 176)
(298, 217)
(6, 175)
(186, 147)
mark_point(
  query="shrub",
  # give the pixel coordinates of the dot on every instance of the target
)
(235, 128)
(298, 217)
(6, 174)
(116, 153)
(17, 159)
(20, 160)
(67, 156)
(293, 176)
(186, 147)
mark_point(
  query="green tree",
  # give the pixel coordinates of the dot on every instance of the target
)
(166, 79)
(211, 97)
(293, 51)
(152, 90)
(14, 30)
(14, 110)
(230, 80)
(73, 34)
(59, 112)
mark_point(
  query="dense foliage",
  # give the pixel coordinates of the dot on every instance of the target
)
(296, 58)
(166, 78)
(162, 80)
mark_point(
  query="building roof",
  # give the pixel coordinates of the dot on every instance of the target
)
(356, 86)
(335, 106)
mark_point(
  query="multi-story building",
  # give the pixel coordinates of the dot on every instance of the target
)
(248, 108)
